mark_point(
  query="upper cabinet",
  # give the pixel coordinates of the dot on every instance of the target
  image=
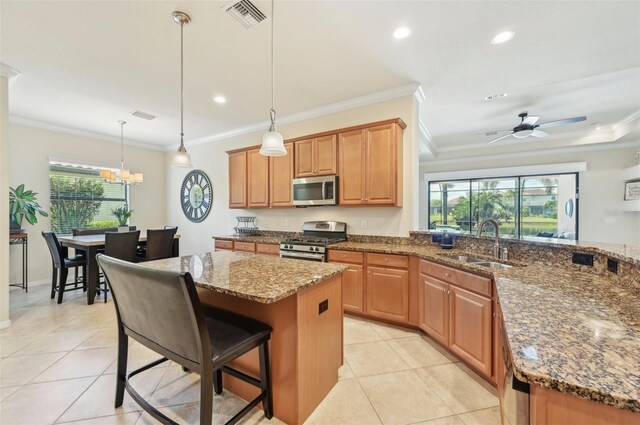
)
(280, 177)
(367, 160)
(315, 157)
(238, 179)
(370, 165)
(257, 179)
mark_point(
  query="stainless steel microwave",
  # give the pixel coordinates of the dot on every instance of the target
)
(312, 191)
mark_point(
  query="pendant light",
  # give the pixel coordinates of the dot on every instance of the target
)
(181, 158)
(272, 141)
(123, 176)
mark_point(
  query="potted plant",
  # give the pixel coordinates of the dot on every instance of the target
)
(122, 214)
(22, 204)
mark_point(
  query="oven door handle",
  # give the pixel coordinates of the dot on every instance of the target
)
(287, 254)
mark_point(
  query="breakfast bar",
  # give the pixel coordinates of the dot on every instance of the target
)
(300, 300)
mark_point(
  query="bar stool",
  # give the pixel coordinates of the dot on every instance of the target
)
(201, 338)
(61, 266)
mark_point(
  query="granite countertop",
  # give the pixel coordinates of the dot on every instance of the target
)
(256, 238)
(568, 330)
(261, 278)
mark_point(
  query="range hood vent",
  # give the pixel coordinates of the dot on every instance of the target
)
(245, 12)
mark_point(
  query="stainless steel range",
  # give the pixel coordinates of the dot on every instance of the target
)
(312, 245)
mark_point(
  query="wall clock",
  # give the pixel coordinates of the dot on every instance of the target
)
(196, 196)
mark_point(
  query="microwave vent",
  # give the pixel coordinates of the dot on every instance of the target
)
(245, 12)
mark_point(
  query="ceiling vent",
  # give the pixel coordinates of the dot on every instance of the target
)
(245, 12)
(143, 115)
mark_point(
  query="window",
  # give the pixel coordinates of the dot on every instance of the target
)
(524, 206)
(81, 199)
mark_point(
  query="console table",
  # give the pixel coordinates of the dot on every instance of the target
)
(22, 239)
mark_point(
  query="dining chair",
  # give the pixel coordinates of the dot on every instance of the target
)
(96, 231)
(121, 245)
(200, 338)
(159, 244)
(61, 265)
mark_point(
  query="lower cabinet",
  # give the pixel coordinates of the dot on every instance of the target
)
(352, 288)
(460, 320)
(433, 308)
(388, 293)
(470, 328)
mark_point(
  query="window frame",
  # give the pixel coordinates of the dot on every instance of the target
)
(518, 201)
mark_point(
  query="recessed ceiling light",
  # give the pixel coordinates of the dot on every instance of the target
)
(401, 32)
(495, 96)
(220, 99)
(503, 37)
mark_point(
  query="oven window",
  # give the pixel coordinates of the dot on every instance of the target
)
(307, 191)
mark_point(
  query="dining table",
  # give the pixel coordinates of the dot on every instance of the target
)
(91, 245)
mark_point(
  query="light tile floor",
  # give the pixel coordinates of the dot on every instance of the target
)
(58, 362)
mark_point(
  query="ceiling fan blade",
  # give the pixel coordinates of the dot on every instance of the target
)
(494, 132)
(561, 122)
(531, 120)
(500, 138)
(539, 133)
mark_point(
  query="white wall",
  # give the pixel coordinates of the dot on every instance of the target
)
(603, 214)
(4, 202)
(211, 158)
(29, 152)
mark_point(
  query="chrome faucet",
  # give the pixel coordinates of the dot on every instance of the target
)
(496, 246)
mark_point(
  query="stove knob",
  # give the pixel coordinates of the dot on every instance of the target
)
(310, 248)
(317, 249)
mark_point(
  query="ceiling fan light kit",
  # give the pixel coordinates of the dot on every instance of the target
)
(528, 127)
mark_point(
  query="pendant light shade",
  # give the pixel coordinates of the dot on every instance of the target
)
(122, 175)
(272, 141)
(181, 159)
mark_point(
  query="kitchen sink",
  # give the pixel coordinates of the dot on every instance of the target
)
(483, 262)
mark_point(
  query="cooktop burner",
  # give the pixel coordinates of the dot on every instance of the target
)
(312, 240)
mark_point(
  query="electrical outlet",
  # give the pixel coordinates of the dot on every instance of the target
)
(285, 222)
(584, 259)
(364, 224)
(612, 265)
(323, 306)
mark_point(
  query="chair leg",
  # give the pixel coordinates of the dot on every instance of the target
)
(64, 273)
(84, 278)
(105, 291)
(121, 374)
(206, 398)
(265, 380)
(75, 277)
(217, 381)
(54, 279)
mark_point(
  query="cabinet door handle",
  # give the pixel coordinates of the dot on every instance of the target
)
(495, 315)
(447, 275)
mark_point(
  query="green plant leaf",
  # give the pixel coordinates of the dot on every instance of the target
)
(19, 190)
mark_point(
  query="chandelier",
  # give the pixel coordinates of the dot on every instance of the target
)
(122, 175)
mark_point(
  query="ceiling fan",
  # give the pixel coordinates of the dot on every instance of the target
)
(528, 127)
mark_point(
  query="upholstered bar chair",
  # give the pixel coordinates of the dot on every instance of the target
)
(61, 265)
(159, 244)
(161, 310)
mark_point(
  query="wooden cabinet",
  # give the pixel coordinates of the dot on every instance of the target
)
(352, 288)
(370, 166)
(388, 293)
(268, 249)
(470, 328)
(316, 156)
(280, 177)
(223, 245)
(238, 179)
(352, 279)
(244, 246)
(257, 179)
(351, 168)
(433, 308)
(458, 318)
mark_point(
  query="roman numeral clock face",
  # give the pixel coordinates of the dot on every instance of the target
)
(196, 196)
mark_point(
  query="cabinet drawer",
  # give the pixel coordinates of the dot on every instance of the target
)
(265, 248)
(346, 256)
(244, 246)
(388, 260)
(223, 244)
(479, 284)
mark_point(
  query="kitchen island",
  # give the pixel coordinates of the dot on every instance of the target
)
(300, 300)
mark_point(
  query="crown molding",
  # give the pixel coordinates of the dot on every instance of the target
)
(427, 144)
(535, 153)
(9, 73)
(408, 90)
(419, 95)
(81, 133)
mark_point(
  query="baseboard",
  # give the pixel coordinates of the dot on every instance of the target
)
(5, 324)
